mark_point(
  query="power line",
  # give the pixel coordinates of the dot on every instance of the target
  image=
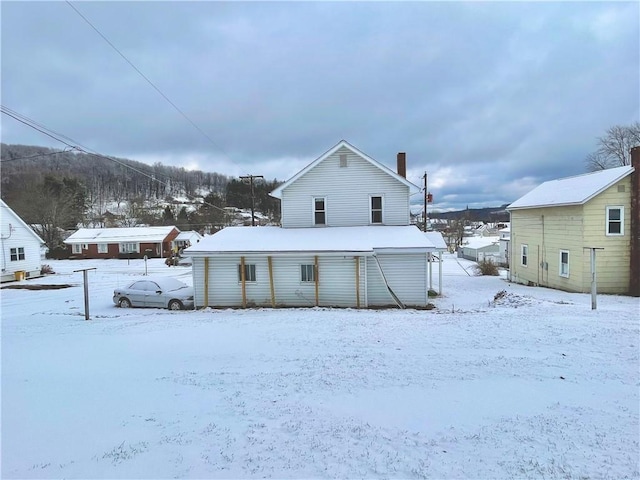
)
(61, 138)
(36, 156)
(184, 115)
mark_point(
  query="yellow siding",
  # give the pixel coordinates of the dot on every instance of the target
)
(549, 230)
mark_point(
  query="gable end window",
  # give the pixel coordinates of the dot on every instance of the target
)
(319, 211)
(564, 264)
(524, 255)
(17, 254)
(615, 220)
(343, 160)
(249, 272)
(376, 209)
(307, 273)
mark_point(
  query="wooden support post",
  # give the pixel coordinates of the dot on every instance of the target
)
(244, 283)
(317, 276)
(206, 281)
(273, 292)
(357, 282)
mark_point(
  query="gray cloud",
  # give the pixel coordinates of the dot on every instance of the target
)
(490, 98)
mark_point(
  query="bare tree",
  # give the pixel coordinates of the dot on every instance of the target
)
(614, 147)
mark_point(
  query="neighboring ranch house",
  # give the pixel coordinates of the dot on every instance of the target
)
(554, 227)
(131, 242)
(21, 247)
(345, 241)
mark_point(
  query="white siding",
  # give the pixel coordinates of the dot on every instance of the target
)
(347, 191)
(19, 235)
(406, 275)
(336, 282)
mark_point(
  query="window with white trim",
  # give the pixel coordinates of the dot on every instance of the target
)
(376, 209)
(103, 248)
(17, 254)
(564, 263)
(524, 255)
(249, 272)
(128, 247)
(319, 211)
(77, 248)
(307, 273)
(615, 220)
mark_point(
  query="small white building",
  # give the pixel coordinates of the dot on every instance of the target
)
(186, 239)
(346, 241)
(481, 248)
(21, 247)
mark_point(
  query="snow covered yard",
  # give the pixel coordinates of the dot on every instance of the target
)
(533, 384)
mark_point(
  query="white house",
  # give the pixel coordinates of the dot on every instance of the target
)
(186, 239)
(21, 247)
(345, 240)
(478, 248)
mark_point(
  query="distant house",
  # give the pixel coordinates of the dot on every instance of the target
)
(554, 226)
(186, 239)
(479, 248)
(345, 241)
(131, 242)
(505, 238)
(21, 247)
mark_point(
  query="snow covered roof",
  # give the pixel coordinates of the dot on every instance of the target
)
(480, 242)
(571, 190)
(437, 240)
(114, 235)
(364, 240)
(188, 235)
(277, 193)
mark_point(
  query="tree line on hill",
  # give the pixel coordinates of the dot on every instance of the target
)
(57, 191)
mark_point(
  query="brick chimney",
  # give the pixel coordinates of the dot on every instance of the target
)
(634, 287)
(402, 164)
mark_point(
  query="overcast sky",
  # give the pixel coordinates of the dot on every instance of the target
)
(491, 99)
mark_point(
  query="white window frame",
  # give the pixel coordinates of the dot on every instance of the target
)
(563, 267)
(307, 273)
(18, 253)
(524, 255)
(249, 273)
(314, 211)
(77, 248)
(609, 222)
(125, 247)
(103, 248)
(371, 210)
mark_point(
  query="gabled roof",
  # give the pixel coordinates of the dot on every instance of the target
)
(115, 235)
(277, 193)
(576, 190)
(7, 209)
(364, 240)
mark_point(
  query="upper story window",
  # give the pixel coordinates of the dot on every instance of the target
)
(524, 255)
(376, 209)
(343, 160)
(319, 211)
(17, 254)
(615, 220)
(564, 263)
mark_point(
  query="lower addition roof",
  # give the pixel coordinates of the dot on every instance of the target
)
(363, 240)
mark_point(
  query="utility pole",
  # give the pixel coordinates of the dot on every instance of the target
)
(253, 199)
(425, 202)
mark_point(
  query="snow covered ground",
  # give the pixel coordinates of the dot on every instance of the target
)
(533, 384)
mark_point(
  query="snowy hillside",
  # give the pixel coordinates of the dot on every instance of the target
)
(500, 381)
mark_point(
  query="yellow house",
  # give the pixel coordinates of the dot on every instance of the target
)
(555, 226)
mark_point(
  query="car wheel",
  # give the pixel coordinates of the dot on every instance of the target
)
(124, 303)
(175, 305)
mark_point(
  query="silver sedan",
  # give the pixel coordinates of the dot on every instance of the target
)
(163, 292)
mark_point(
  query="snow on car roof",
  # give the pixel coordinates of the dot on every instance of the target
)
(165, 283)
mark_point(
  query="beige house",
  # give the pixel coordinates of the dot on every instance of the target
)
(555, 226)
